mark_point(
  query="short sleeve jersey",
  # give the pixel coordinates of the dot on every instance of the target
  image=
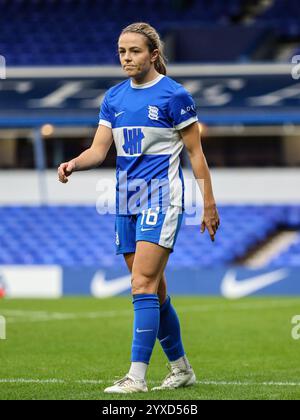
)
(145, 122)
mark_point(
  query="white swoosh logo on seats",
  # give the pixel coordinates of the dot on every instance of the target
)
(101, 288)
(233, 289)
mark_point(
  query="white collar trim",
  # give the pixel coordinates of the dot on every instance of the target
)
(148, 84)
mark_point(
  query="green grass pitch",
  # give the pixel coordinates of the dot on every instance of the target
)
(72, 348)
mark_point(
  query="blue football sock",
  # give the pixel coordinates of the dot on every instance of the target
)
(146, 324)
(169, 332)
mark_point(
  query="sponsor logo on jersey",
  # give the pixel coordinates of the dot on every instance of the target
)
(187, 109)
(117, 114)
(133, 140)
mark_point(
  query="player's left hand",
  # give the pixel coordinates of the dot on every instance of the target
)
(210, 220)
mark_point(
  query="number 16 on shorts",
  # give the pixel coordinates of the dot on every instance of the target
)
(150, 217)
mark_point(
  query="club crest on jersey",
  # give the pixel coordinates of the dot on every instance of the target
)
(153, 112)
(133, 140)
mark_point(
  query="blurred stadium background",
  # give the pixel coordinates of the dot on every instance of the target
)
(239, 60)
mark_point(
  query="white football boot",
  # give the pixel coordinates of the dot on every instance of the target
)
(177, 378)
(127, 385)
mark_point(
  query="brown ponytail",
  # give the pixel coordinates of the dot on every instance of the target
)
(153, 41)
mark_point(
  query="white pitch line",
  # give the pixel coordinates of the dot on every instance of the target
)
(31, 381)
(67, 316)
(31, 316)
(21, 313)
(239, 383)
(99, 382)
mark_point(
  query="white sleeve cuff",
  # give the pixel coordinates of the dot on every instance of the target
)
(186, 123)
(106, 123)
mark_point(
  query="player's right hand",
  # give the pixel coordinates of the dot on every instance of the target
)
(65, 170)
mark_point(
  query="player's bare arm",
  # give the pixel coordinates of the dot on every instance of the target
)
(90, 158)
(192, 141)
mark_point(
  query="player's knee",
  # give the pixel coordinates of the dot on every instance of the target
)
(143, 285)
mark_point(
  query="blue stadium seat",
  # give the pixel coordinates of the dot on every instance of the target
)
(77, 235)
(90, 26)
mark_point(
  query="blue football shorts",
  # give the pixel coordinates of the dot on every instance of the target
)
(150, 225)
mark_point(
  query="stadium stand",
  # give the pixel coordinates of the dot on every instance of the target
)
(73, 32)
(284, 17)
(67, 235)
(78, 32)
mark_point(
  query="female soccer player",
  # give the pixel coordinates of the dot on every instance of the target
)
(150, 117)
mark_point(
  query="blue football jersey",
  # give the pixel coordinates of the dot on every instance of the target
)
(145, 120)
